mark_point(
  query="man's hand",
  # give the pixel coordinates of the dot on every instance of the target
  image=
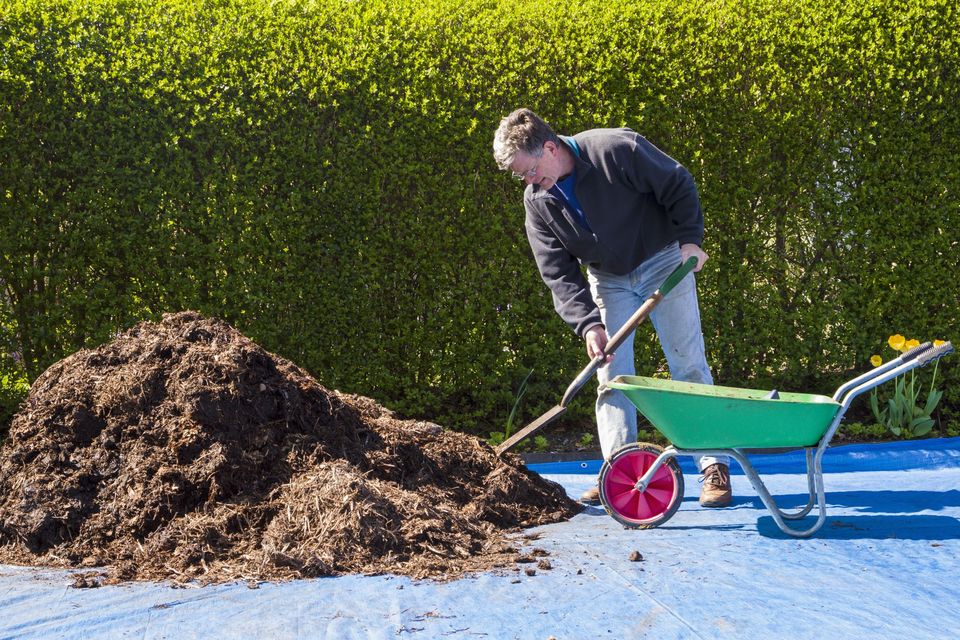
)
(691, 250)
(596, 339)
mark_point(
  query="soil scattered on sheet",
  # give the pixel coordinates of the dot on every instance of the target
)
(184, 451)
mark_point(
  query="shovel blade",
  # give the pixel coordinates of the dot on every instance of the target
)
(530, 429)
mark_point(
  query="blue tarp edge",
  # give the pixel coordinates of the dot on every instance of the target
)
(933, 453)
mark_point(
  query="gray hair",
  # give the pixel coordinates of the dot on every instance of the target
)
(522, 130)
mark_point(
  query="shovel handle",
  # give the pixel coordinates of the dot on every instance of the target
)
(672, 280)
(678, 274)
(641, 314)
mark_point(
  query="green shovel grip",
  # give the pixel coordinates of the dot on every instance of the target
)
(678, 274)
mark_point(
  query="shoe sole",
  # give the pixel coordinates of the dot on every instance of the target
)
(716, 503)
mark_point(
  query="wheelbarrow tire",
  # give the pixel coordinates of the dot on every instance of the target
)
(619, 496)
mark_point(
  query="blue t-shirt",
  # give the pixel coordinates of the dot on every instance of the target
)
(563, 191)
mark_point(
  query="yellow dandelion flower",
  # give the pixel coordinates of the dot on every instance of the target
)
(896, 342)
(910, 344)
(937, 343)
(876, 361)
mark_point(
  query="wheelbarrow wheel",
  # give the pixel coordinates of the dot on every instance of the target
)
(640, 509)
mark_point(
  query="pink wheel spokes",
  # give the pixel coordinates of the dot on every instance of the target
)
(622, 496)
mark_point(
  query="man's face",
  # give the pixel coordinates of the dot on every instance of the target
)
(542, 171)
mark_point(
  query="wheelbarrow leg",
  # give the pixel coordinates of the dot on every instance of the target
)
(811, 486)
(814, 475)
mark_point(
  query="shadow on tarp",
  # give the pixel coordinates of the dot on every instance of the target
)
(933, 453)
(900, 518)
(887, 502)
(846, 527)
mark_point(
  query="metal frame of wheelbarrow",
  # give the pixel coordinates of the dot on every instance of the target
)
(917, 357)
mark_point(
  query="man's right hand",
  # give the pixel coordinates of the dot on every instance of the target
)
(596, 339)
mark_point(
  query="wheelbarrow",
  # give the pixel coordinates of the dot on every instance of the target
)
(641, 485)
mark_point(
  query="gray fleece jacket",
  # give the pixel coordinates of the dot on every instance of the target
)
(636, 199)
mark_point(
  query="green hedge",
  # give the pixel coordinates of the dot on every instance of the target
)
(320, 175)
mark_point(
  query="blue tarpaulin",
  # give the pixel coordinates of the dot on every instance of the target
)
(884, 565)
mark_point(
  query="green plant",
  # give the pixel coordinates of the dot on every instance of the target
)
(13, 390)
(586, 441)
(496, 437)
(540, 444)
(861, 431)
(647, 433)
(508, 429)
(903, 415)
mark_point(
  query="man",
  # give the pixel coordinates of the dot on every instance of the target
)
(610, 200)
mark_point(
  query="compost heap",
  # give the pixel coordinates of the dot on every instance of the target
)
(182, 450)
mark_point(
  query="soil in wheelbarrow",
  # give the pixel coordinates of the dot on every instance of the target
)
(182, 450)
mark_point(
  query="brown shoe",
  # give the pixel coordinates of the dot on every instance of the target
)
(716, 486)
(591, 496)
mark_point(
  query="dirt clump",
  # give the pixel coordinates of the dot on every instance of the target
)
(182, 450)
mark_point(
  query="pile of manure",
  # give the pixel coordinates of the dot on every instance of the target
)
(184, 451)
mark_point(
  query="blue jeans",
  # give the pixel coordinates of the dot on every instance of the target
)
(676, 320)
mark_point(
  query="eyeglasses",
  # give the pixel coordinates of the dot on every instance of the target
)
(529, 173)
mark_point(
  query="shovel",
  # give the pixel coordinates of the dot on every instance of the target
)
(641, 314)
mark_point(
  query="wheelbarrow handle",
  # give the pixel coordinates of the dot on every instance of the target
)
(916, 352)
(919, 356)
(936, 353)
(882, 369)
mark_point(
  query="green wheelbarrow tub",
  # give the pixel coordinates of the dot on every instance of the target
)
(703, 416)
